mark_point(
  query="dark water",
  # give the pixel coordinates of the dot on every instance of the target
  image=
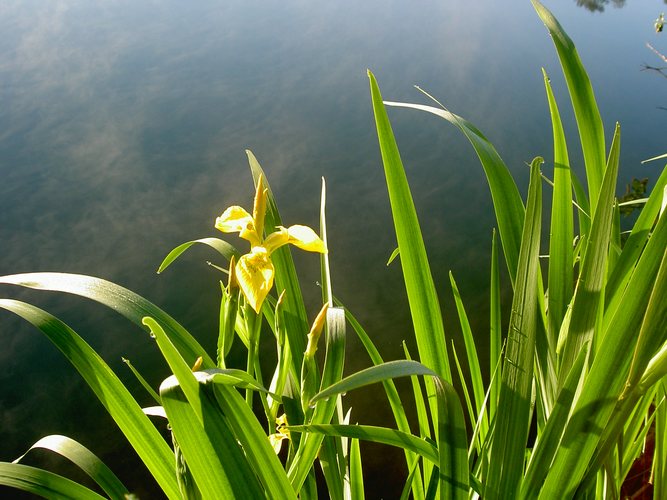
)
(122, 134)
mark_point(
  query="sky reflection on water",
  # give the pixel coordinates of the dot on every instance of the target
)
(123, 127)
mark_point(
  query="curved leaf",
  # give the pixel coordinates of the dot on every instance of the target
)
(506, 198)
(586, 112)
(43, 483)
(83, 458)
(222, 247)
(391, 437)
(138, 429)
(374, 374)
(125, 302)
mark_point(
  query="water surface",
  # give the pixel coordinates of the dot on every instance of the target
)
(123, 127)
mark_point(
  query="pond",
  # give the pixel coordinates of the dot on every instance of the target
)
(123, 127)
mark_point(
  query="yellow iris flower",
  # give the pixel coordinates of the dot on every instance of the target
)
(254, 270)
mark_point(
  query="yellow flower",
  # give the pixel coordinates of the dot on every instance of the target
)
(254, 270)
(281, 434)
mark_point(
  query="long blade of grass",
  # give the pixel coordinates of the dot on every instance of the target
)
(332, 455)
(424, 432)
(356, 471)
(588, 300)
(562, 224)
(86, 460)
(125, 302)
(466, 393)
(473, 360)
(653, 332)
(454, 469)
(586, 112)
(177, 364)
(560, 268)
(660, 452)
(327, 291)
(583, 207)
(476, 436)
(659, 157)
(407, 487)
(144, 383)
(433, 486)
(422, 297)
(119, 403)
(615, 243)
(495, 327)
(331, 461)
(506, 198)
(42, 483)
(513, 413)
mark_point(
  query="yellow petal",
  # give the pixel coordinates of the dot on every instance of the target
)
(259, 206)
(276, 441)
(316, 331)
(306, 239)
(198, 363)
(281, 422)
(233, 220)
(232, 282)
(276, 239)
(254, 273)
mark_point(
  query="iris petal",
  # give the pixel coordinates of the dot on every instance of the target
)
(236, 220)
(276, 239)
(259, 206)
(233, 220)
(254, 273)
(306, 239)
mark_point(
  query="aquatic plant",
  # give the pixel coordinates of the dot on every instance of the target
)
(574, 387)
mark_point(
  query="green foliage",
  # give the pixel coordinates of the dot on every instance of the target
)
(583, 362)
(584, 374)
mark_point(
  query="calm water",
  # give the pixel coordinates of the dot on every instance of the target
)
(122, 134)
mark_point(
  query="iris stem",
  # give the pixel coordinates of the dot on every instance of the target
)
(253, 324)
